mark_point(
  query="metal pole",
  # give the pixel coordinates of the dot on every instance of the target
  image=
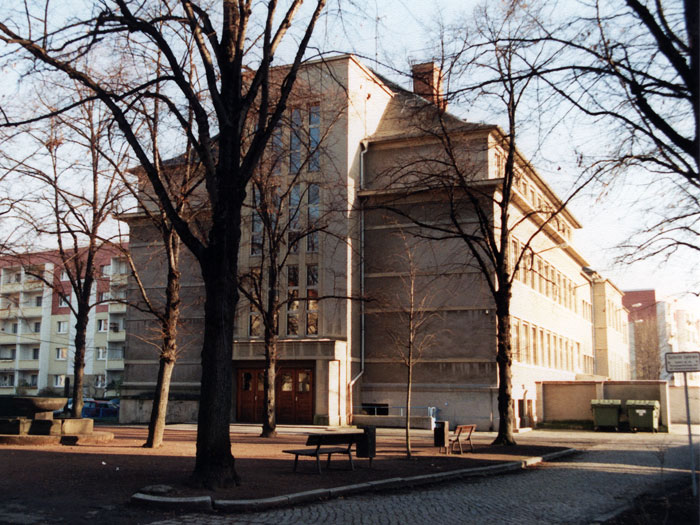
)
(690, 435)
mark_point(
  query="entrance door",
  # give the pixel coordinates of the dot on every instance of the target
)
(251, 384)
(295, 396)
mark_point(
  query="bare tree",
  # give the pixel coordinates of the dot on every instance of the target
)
(472, 182)
(632, 70)
(236, 108)
(73, 204)
(411, 307)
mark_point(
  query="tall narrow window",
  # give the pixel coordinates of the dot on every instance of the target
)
(293, 300)
(254, 322)
(312, 299)
(312, 217)
(276, 149)
(295, 143)
(256, 226)
(294, 218)
(314, 138)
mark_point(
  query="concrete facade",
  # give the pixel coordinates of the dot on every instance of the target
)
(370, 127)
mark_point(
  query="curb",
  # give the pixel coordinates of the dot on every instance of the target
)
(207, 504)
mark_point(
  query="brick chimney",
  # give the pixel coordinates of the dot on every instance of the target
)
(427, 82)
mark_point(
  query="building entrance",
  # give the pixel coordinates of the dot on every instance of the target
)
(294, 395)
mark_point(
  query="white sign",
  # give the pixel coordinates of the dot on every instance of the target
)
(683, 362)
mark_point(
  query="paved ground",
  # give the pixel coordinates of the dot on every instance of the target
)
(609, 472)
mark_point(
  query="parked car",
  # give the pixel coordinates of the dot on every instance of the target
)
(99, 409)
(94, 408)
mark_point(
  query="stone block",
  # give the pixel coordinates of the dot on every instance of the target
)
(18, 426)
(77, 426)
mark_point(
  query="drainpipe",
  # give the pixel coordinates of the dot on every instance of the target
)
(363, 150)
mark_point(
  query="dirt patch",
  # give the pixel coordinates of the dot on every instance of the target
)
(80, 484)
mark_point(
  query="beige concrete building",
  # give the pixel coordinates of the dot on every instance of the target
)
(338, 353)
(36, 327)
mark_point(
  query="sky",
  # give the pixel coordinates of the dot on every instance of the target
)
(391, 34)
(398, 32)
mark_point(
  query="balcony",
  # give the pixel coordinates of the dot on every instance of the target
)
(117, 308)
(30, 311)
(11, 287)
(9, 313)
(28, 364)
(119, 279)
(32, 285)
(7, 337)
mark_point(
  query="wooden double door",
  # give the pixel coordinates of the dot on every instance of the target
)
(293, 394)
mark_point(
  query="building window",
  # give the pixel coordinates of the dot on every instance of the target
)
(62, 327)
(105, 270)
(7, 353)
(116, 353)
(313, 196)
(63, 301)
(292, 300)
(276, 148)
(15, 328)
(100, 381)
(101, 353)
(38, 300)
(33, 380)
(254, 323)
(7, 379)
(102, 325)
(314, 138)
(312, 299)
(295, 143)
(61, 354)
(64, 276)
(256, 226)
(35, 353)
(59, 380)
(37, 327)
(294, 218)
(102, 297)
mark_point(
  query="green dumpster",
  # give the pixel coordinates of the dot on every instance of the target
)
(606, 413)
(643, 414)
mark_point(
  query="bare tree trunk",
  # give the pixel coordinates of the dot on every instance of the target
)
(270, 319)
(79, 363)
(168, 354)
(409, 383)
(269, 428)
(156, 426)
(214, 465)
(504, 358)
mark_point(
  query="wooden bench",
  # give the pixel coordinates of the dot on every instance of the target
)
(324, 445)
(463, 434)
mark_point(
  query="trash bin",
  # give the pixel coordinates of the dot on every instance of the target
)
(606, 413)
(367, 446)
(643, 414)
(441, 434)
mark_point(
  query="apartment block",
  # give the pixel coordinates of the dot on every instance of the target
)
(37, 326)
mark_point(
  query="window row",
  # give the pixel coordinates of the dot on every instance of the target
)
(544, 278)
(537, 346)
(301, 311)
(303, 143)
(301, 210)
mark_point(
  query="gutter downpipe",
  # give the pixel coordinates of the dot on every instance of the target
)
(363, 150)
